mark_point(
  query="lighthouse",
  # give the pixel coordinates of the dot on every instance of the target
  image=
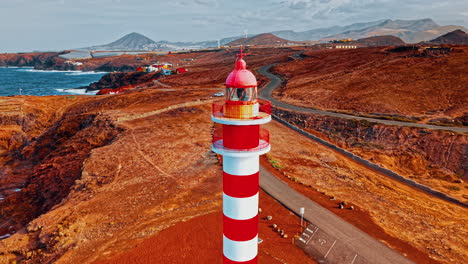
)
(239, 138)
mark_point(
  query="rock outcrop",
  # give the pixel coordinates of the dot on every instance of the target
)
(119, 79)
(38, 59)
(423, 155)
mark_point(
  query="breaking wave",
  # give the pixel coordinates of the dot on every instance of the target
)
(85, 73)
(77, 91)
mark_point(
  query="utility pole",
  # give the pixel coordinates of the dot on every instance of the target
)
(302, 211)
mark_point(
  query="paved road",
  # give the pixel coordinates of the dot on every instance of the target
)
(367, 247)
(266, 93)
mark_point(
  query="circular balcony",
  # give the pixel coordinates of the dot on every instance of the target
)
(240, 114)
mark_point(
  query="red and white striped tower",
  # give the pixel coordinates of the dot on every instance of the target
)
(240, 141)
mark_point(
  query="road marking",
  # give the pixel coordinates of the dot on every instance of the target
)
(316, 229)
(329, 249)
(354, 259)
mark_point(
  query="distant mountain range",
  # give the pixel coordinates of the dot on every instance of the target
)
(410, 31)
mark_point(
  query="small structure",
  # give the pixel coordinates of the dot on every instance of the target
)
(153, 68)
(345, 47)
(74, 63)
(141, 69)
(159, 67)
(166, 72)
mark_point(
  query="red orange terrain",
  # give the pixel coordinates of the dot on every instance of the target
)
(144, 164)
(424, 86)
(128, 178)
(198, 240)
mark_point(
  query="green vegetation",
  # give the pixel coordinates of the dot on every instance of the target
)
(274, 163)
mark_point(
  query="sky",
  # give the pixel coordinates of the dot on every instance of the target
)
(27, 25)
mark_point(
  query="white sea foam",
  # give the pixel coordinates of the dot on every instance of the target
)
(49, 71)
(16, 67)
(77, 91)
(85, 73)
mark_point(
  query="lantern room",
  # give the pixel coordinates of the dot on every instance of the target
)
(241, 91)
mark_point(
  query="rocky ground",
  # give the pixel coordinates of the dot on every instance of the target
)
(130, 181)
(114, 170)
(435, 158)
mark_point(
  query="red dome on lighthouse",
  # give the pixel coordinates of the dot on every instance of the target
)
(240, 77)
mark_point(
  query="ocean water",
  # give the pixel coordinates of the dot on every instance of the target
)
(36, 82)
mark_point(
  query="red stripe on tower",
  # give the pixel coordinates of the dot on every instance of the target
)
(240, 186)
(228, 261)
(241, 145)
(249, 228)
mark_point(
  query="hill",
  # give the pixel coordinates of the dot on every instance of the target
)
(372, 82)
(455, 37)
(266, 39)
(132, 41)
(430, 34)
(136, 42)
(387, 40)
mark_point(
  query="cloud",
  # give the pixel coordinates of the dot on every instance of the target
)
(97, 21)
(206, 2)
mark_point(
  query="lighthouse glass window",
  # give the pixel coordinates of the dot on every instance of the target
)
(241, 94)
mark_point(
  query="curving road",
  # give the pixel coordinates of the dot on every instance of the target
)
(266, 93)
(275, 81)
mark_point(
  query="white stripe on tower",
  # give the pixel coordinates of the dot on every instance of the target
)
(241, 165)
(240, 251)
(240, 208)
